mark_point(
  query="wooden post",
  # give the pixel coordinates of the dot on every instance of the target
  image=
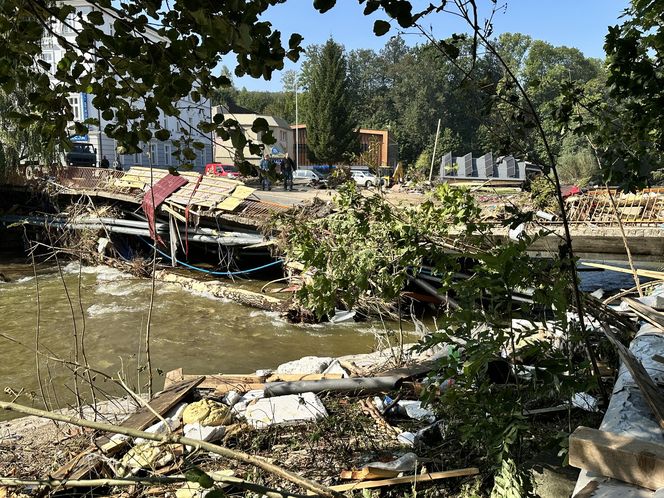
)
(620, 457)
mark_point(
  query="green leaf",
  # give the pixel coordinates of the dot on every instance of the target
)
(162, 135)
(96, 17)
(381, 27)
(216, 493)
(260, 125)
(324, 5)
(195, 474)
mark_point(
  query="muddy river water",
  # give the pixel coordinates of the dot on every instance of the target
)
(199, 333)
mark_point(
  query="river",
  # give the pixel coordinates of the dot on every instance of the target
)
(199, 333)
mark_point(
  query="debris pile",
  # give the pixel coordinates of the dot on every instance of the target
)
(345, 437)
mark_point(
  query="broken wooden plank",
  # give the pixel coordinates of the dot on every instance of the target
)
(620, 457)
(646, 312)
(79, 466)
(216, 381)
(547, 411)
(368, 473)
(241, 388)
(433, 476)
(641, 273)
(647, 386)
(173, 377)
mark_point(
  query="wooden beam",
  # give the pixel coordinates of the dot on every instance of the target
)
(79, 466)
(641, 273)
(625, 458)
(368, 473)
(433, 476)
(646, 312)
(221, 381)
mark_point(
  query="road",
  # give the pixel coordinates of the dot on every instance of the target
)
(289, 198)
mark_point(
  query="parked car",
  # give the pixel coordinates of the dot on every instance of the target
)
(364, 179)
(309, 177)
(81, 154)
(218, 169)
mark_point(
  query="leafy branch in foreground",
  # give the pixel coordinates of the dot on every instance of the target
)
(505, 355)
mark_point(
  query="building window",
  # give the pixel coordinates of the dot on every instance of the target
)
(164, 122)
(153, 152)
(75, 103)
(167, 154)
(69, 24)
(138, 159)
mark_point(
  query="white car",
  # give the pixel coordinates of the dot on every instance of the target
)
(364, 179)
(308, 177)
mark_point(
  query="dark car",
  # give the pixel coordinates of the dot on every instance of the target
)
(82, 155)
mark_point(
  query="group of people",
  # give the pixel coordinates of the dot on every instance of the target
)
(284, 166)
(117, 165)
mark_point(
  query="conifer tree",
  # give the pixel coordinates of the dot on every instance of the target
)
(331, 132)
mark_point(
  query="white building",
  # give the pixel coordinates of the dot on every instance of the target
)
(191, 113)
(223, 149)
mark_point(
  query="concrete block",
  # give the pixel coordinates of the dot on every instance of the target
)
(306, 365)
(204, 432)
(285, 410)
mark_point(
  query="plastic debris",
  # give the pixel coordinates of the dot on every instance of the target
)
(586, 402)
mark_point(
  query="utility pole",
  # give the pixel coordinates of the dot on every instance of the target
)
(297, 132)
(433, 156)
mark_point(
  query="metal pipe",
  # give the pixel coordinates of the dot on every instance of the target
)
(227, 239)
(352, 384)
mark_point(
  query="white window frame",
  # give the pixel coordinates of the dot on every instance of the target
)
(75, 103)
(69, 21)
(153, 153)
(167, 154)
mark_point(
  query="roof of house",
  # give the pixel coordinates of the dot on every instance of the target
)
(247, 117)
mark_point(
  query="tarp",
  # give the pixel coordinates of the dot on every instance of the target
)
(153, 198)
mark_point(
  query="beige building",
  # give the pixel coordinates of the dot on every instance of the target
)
(223, 149)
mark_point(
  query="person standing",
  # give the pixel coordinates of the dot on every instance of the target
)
(117, 165)
(265, 172)
(104, 163)
(287, 168)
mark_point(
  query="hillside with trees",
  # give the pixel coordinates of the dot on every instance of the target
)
(406, 89)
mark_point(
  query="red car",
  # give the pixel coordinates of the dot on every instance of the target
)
(218, 169)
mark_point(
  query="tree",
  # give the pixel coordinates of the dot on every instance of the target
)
(153, 55)
(331, 133)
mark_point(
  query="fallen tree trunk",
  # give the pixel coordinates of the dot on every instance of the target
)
(261, 463)
(133, 481)
(218, 289)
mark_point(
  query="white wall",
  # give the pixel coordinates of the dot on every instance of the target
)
(191, 114)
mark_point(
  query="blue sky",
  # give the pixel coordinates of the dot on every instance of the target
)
(575, 23)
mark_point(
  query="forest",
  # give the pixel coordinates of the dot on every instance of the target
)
(407, 89)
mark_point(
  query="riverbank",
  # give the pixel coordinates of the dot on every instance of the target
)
(333, 438)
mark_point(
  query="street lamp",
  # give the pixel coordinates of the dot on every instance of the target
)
(297, 131)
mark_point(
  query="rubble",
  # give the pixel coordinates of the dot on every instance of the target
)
(306, 365)
(289, 409)
(206, 412)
